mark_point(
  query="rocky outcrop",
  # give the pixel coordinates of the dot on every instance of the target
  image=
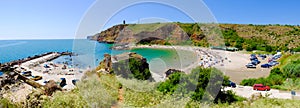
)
(171, 71)
(142, 33)
(51, 87)
(106, 64)
(126, 65)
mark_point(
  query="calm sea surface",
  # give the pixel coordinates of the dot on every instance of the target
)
(90, 52)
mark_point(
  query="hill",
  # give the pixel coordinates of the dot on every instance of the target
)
(249, 37)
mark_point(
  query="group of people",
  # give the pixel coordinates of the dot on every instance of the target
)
(209, 58)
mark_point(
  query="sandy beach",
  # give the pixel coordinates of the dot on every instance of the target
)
(231, 63)
(236, 69)
(203, 57)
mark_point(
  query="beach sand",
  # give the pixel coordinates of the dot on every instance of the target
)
(233, 64)
(188, 62)
(236, 68)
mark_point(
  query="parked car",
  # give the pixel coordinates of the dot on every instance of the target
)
(273, 63)
(265, 65)
(261, 87)
(276, 57)
(232, 84)
(253, 57)
(262, 56)
(255, 62)
(250, 65)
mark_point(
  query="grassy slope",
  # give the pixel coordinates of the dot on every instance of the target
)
(287, 59)
(137, 28)
(102, 93)
(278, 36)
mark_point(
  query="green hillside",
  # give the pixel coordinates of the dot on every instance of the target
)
(244, 37)
(249, 37)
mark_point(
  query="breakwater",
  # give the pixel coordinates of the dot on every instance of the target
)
(9, 65)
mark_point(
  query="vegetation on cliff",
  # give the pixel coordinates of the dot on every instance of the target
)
(249, 37)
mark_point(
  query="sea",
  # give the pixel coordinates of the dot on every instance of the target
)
(90, 53)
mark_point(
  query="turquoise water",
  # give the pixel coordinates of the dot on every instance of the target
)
(90, 52)
(18, 49)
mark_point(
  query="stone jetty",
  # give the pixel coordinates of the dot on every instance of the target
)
(9, 65)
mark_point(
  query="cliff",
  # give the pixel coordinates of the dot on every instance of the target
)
(143, 33)
(242, 36)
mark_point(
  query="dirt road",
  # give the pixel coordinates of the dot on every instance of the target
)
(247, 92)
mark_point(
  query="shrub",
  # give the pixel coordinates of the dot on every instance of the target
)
(4, 103)
(297, 49)
(170, 85)
(65, 100)
(200, 84)
(248, 82)
(292, 70)
(227, 97)
(133, 68)
(274, 80)
(99, 91)
(276, 71)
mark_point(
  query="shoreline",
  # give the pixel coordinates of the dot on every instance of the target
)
(204, 57)
(232, 64)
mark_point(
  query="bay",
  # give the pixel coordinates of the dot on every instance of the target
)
(90, 53)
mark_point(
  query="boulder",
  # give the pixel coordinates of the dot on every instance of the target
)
(51, 87)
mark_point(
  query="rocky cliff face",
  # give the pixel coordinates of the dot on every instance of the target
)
(127, 65)
(142, 33)
(109, 35)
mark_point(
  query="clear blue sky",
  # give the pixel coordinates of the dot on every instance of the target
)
(41, 19)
